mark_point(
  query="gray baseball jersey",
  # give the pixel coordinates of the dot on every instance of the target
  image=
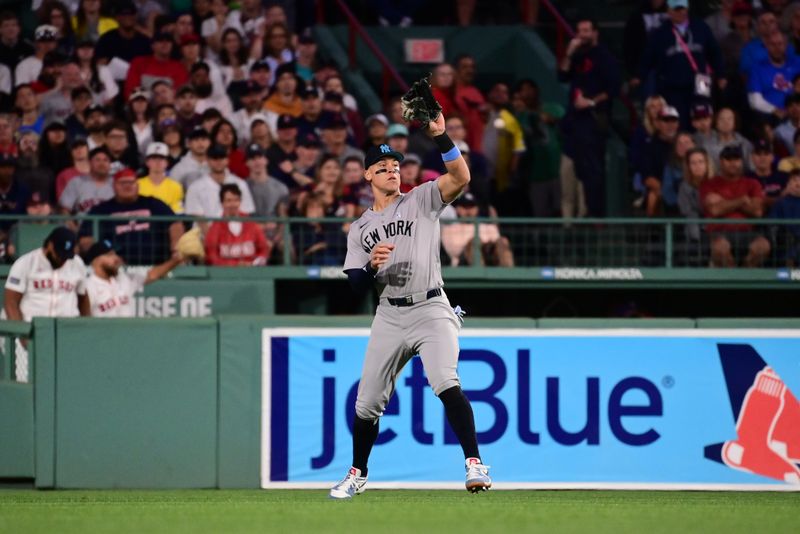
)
(429, 327)
(411, 223)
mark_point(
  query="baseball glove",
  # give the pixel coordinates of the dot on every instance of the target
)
(190, 245)
(419, 103)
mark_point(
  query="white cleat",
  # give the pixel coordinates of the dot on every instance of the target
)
(350, 485)
(477, 476)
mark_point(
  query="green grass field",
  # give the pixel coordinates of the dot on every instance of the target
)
(66, 512)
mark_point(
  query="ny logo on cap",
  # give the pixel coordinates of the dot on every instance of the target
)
(385, 149)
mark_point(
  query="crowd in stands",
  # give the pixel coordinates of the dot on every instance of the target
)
(225, 109)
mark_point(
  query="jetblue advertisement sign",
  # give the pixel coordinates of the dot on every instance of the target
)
(553, 408)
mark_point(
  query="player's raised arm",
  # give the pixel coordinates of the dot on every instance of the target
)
(457, 177)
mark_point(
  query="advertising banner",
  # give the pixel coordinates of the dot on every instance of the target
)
(698, 409)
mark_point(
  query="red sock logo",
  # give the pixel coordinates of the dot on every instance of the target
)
(759, 448)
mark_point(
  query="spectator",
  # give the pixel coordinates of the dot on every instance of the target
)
(234, 57)
(30, 171)
(755, 51)
(96, 76)
(334, 84)
(334, 137)
(328, 186)
(86, 191)
(249, 20)
(251, 108)
(458, 239)
(12, 49)
(790, 163)
(186, 113)
(277, 51)
(172, 136)
(785, 131)
(682, 55)
(469, 101)
(140, 117)
(202, 197)
(541, 163)
(190, 55)
(13, 195)
(123, 152)
(48, 76)
(674, 171)
(271, 197)
(594, 81)
(732, 196)
(138, 239)
(309, 121)
(231, 243)
(283, 99)
(56, 104)
(794, 28)
(111, 289)
(120, 46)
(377, 126)
(95, 121)
(89, 23)
(27, 70)
(306, 59)
(333, 103)
(53, 149)
(788, 207)
(224, 135)
(443, 87)
(740, 34)
(193, 165)
(397, 137)
(772, 182)
(726, 134)
(259, 132)
(317, 242)
(721, 20)
(145, 70)
(702, 119)
(503, 143)
(410, 171)
(638, 28)
(213, 27)
(357, 195)
(81, 99)
(79, 152)
(303, 168)
(644, 132)
(207, 97)
(656, 157)
(156, 184)
(7, 131)
(769, 81)
(56, 14)
(697, 170)
(163, 93)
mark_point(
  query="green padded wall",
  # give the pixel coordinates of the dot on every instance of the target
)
(136, 403)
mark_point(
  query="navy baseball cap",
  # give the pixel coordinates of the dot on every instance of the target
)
(377, 153)
(762, 145)
(97, 250)
(331, 121)
(198, 132)
(731, 152)
(260, 64)
(252, 86)
(254, 150)
(64, 241)
(286, 122)
(217, 152)
(310, 140)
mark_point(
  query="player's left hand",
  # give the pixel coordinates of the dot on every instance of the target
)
(437, 127)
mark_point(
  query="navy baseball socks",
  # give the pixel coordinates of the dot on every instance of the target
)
(459, 415)
(364, 435)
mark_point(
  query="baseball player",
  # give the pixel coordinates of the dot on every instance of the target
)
(46, 282)
(111, 291)
(395, 246)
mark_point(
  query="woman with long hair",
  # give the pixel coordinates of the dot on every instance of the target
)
(328, 186)
(235, 60)
(89, 23)
(98, 78)
(224, 134)
(54, 150)
(172, 136)
(277, 47)
(140, 116)
(726, 132)
(56, 14)
(673, 172)
(697, 168)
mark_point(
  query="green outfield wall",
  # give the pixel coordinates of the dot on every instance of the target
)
(168, 402)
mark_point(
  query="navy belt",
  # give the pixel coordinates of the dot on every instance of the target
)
(410, 300)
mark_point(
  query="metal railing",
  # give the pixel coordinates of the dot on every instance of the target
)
(521, 242)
